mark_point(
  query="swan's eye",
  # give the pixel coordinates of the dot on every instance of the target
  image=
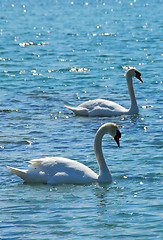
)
(118, 134)
(117, 137)
(138, 74)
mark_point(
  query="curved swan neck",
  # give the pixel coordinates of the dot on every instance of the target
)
(134, 106)
(104, 173)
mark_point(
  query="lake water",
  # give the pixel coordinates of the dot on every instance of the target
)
(59, 52)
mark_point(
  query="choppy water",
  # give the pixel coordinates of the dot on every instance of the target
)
(65, 52)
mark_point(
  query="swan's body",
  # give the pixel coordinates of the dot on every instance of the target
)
(101, 107)
(56, 170)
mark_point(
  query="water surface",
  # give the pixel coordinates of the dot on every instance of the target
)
(54, 53)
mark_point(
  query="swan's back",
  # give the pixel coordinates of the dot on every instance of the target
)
(56, 170)
(98, 107)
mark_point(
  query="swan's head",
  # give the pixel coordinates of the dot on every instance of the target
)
(113, 130)
(133, 72)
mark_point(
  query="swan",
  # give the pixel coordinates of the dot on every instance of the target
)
(105, 108)
(58, 170)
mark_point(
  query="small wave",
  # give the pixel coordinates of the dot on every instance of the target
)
(25, 44)
(74, 69)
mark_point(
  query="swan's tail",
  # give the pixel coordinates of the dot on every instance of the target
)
(78, 110)
(71, 108)
(19, 172)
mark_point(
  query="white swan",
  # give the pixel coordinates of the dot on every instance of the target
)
(56, 170)
(101, 107)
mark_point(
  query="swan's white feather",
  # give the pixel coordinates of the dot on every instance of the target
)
(98, 107)
(56, 170)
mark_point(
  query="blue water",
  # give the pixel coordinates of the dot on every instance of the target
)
(66, 52)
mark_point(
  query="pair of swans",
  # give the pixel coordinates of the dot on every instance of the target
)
(57, 170)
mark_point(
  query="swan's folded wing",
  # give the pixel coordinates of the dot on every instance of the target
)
(55, 170)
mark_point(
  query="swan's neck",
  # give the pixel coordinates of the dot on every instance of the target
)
(104, 173)
(134, 107)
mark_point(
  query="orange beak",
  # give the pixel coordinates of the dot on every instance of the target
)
(116, 138)
(138, 77)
